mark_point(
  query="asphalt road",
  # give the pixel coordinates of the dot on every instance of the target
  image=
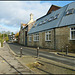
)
(16, 48)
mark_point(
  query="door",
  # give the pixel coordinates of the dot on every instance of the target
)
(25, 38)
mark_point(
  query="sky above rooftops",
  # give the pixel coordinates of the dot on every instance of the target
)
(12, 13)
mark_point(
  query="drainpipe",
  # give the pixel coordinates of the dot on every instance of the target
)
(54, 39)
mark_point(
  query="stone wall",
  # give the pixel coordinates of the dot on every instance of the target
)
(63, 39)
(42, 43)
(60, 38)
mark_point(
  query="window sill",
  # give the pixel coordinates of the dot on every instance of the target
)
(36, 40)
(72, 39)
(48, 40)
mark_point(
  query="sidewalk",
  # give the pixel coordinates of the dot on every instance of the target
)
(72, 55)
(9, 64)
(44, 66)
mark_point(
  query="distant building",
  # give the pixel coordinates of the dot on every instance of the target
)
(25, 28)
(11, 37)
(55, 30)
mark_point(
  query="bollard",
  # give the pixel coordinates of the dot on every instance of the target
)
(66, 50)
(37, 52)
(62, 49)
(21, 52)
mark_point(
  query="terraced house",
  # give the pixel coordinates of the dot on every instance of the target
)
(55, 30)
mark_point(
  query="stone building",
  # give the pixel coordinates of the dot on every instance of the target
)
(24, 30)
(55, 30)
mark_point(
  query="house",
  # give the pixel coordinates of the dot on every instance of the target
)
(11, 37)
(25, 28)
(55, 30)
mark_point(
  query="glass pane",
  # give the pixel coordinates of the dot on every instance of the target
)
(49, 36)
(71, 28)
(49, 31)
(72, 34)
(70, 11)
(38, 38)
(46, 37)
(74, 11)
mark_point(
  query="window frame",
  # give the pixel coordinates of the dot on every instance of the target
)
(71, 34)
(30, 38)
(47, 33)
(51, 19)
(36, 37)
(68, 11)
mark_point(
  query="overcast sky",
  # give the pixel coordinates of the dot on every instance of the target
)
(12, 13)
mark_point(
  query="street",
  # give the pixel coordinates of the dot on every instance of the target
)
(16, 48)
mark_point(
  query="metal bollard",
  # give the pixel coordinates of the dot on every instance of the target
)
(37, 52)
(66, 50)
(21, 52)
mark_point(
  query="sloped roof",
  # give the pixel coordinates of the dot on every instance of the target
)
(53, 8)
(60, 21)
(69, 19)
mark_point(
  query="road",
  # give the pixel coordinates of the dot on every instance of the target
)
(16, 48)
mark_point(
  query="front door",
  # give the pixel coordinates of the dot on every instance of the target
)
(25, 38)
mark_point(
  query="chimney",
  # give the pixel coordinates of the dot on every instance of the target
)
(31, 17)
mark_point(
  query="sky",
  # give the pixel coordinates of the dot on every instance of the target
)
(12, 13)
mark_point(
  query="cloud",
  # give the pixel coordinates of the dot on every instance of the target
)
(12, 13)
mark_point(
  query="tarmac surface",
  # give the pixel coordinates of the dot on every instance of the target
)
(16, 48)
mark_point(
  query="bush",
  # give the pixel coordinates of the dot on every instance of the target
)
(1, 43)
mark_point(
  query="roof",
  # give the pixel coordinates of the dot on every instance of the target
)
(53, 8)
(60, 21)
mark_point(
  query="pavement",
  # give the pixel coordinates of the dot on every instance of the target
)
(9, 64)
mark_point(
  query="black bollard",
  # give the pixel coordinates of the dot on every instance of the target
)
(37, 52)
(66, 50)
(21, 52)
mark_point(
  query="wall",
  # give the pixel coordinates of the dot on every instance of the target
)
(63, 39)
(42, 43)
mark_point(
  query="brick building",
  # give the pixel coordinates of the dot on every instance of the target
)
(55, 30)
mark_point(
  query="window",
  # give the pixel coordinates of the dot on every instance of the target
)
(30, 37)
(56, 16)
(69, 12)
(74, 11)
(51, 18)
(36, 37)
(72, 33)
(45, 21)
(48, 36)
(34, 25)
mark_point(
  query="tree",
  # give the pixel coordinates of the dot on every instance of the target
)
(12, 33)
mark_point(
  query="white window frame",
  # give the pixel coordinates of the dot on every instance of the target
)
(30, 38)
(47, 33)
(71, 34)
(51, 18)
(35, 37)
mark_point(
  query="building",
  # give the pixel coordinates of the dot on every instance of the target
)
(25, 28)
(11, 37)
(55, 30)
